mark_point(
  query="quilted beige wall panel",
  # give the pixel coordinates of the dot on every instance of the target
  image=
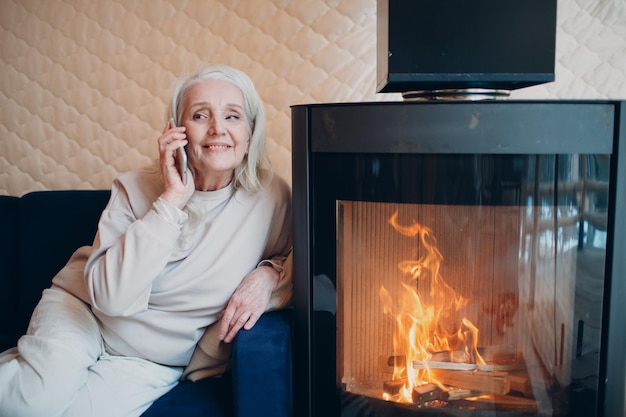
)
(83, 84)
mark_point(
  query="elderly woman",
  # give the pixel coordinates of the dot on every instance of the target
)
(170, 260)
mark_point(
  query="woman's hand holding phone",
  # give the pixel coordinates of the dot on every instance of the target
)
(181, 159)
(174, 165)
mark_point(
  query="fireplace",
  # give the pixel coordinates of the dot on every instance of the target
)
(459, 258)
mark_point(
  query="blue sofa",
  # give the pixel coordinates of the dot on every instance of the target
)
(40, 231)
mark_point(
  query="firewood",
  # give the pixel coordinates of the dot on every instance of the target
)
(500, 367)
(387, 363)
(521, 384)
(456, 394)
(444, 365)
(393, 387)
(473, 354)
(496, 353)
(487, 382)
(425, 393)
(507, 402)
(397, 360)
(432, 392)
(450, 356)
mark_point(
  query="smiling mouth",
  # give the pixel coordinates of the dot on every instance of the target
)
(217, 147)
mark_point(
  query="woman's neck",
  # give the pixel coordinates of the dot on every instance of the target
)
(212, 183)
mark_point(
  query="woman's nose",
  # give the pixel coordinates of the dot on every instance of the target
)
(216, 127)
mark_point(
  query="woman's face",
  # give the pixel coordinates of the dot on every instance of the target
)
(217, 132)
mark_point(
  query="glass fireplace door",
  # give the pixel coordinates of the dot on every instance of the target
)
(474, 307)
(456, 259)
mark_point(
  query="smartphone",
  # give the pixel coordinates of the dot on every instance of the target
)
(181, 160)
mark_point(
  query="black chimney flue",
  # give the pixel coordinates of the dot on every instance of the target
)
(447, 49)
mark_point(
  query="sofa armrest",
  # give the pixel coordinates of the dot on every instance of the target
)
(262, 367)
(52, 225)
(258, 385)
(9, 275)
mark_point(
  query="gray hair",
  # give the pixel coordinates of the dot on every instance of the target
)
(255, 167)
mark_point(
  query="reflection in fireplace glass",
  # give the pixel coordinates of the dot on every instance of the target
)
(459, 307)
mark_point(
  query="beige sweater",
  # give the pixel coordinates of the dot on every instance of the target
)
(154, 292)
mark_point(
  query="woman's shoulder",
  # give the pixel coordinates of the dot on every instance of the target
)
(148, 175)
(145, 183)
(276, 184)
(273, 187)
(278, 181)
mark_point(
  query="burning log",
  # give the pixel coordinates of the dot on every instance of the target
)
(456, 366)
(426, 393)
(500, 367)
(431, 392)
(487, 382)
(498, 358)
(387, 363)
(471, 340)
(491, 354)
(396, 360)
(499, 354)
(393, 387)
(458, 356)
(458, 394)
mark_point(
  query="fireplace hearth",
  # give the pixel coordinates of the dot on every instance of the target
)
(459, 259)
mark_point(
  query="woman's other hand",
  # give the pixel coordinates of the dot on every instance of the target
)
(249, 301)
(175, 192)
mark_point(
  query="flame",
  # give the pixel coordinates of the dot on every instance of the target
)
(427, 324)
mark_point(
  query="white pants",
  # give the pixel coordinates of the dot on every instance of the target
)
(60, 368)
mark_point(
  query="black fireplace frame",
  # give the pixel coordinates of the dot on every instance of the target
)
(589, 127)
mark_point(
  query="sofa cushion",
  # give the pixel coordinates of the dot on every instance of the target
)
(52, 225)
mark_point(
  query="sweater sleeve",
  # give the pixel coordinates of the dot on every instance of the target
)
(280, 245)
(283, 293)
(132, 247)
